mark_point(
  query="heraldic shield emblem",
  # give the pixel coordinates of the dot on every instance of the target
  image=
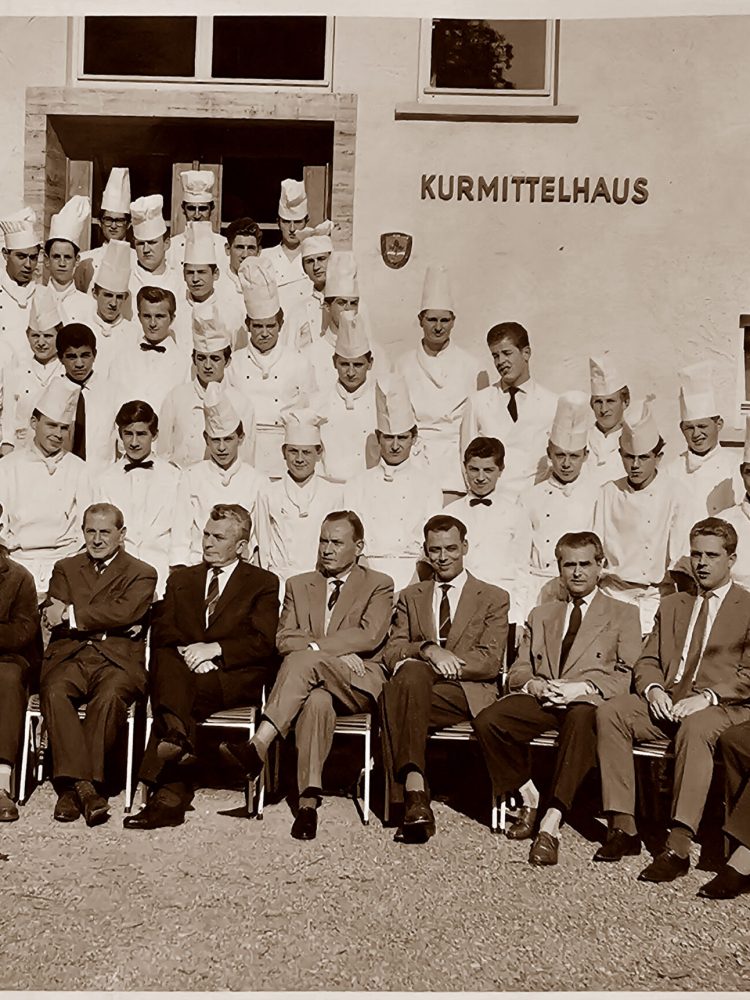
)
(395, 249)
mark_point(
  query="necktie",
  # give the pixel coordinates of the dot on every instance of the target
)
(99, 566)
(693, 658)
(444, 614)
(129, 466)
(475, 501)
(337, 585)
(212, 594)
(512, 404)
(79, 427)
(146, 345)
(576, 617)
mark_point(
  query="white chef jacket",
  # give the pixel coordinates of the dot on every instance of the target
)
(499, 538)
(176, 253)
(350, 420)
(230, 307)
(181, 423)
(151, 375)
(739, 517)
(22, 385)
(486, 415)
(43, 501)
(604, 462)
(147, 499)
(555, 508)
(289, 516)
(304, 325)
(706, 485)
(202, 486)
(393, 503)
(74, 306)
(291, 280)
(15, 309)
(111, 340)
(272, 381)
(439, 388)
(103, 398)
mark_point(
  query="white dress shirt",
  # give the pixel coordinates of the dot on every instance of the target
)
(328, 612)
(222, 577)
(714, 603)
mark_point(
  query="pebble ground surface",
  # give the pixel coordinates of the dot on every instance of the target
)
(229, 903)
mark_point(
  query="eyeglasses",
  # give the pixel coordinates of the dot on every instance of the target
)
(113, 220)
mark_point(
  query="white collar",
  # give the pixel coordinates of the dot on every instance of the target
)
(459, 582)
(586, 601)
(720, 592)
(225, 570)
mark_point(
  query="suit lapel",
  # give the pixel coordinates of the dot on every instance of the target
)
(231, 590)
(467, 603)
(679, 630)
(316, 594)
(346, 599)
(594, 621)
(423, 607)
(553, 634)
(96, 582)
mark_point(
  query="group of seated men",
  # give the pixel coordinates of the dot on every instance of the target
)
(165, 378)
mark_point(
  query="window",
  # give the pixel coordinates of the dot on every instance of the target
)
(273, 51)
(479, 62)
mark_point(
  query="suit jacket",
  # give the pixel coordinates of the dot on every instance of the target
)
(725, 664)
(607, 645)
(478, 634)
(359, 620)
(106, 606)
(243, 623)
(20, 632)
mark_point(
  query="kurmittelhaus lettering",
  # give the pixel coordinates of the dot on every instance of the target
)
(527, 190)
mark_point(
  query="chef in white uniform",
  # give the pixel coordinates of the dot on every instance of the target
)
(17, 285)
(244, 239)
(707, 478)
(291, 280)
(223, 477)
(610, 398)
(111, 292)
(114, 223)
(564, 501)
(291, 510)
(497, 526)
(62, 255)
(144, 487)
(23, 382)
(348, 408)
(739, 517)
(197, 206)
(270, 370)
(202, 286)
(516, 409)
(634, 517)
(151, 245)
(44, 490)
(397, 496)
(153, 363)
(181, 419)
(441, 377)
(306, 322)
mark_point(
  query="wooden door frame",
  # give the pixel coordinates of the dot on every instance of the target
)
(42, 146)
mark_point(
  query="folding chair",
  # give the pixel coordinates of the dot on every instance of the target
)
(360, 725)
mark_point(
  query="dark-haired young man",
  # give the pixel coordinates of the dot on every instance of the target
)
(62, 255)
(244, 239)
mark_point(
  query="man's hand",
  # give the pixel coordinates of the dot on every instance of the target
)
(55, 612)
(537, 687)
(560, 693)
(660, 704)
(444, 662)
(206, 667)
(687, 706)
(198, 653)
(354, 662)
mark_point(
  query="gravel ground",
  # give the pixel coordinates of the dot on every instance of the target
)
(226, 903)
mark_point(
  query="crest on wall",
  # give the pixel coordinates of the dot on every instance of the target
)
(395, 249)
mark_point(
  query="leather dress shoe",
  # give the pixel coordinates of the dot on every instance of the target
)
(95, 808)
(665, 867)
(618, 845)
(8, 808)
(243, 756)
(305, 824)
(154, 815)
(417, 812)
(728, 884)
(523, 827)
(544, 850)
(67, 807)
(175, 747)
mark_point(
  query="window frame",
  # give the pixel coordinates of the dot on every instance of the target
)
(547, 96)
(202, 76)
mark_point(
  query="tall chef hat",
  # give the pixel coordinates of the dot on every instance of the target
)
(570, 429)
(436, 291)
(352, 340)
(113, 272)
(697, 399)
(19, 230)
(58, 401)
(341, 276)
(293, 201)
(316, 239)
(259, 290)
(210, 332)
(116, 195)
(219, 416)
(148, 220)
(605, 378)
(197, 186)
(393, 409)
(640, 435)
(69, 222)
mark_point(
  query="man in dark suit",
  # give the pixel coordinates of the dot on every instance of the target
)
(444, 654)
(334, 619)
(692, 682)
(212, 648)
(20, 655)
(97, 608)
(573, 656)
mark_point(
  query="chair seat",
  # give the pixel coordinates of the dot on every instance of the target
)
(361, 723)
(653, 748)
(459, 731)
(33, 706)
(548, 739)
(241, 716)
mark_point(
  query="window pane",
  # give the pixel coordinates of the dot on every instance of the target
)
(488, 55)
(269, 48)
(139, 46)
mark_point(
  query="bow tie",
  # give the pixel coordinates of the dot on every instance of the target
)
(477, 500)
(146, 345)
(129, 466)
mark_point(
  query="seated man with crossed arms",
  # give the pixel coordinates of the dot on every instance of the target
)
(333, 620)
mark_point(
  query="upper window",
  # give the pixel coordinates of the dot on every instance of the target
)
(481, 61)
(286, 51)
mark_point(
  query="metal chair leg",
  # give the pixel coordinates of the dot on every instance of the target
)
(129, 791)
(368, 766)
(27, 738)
